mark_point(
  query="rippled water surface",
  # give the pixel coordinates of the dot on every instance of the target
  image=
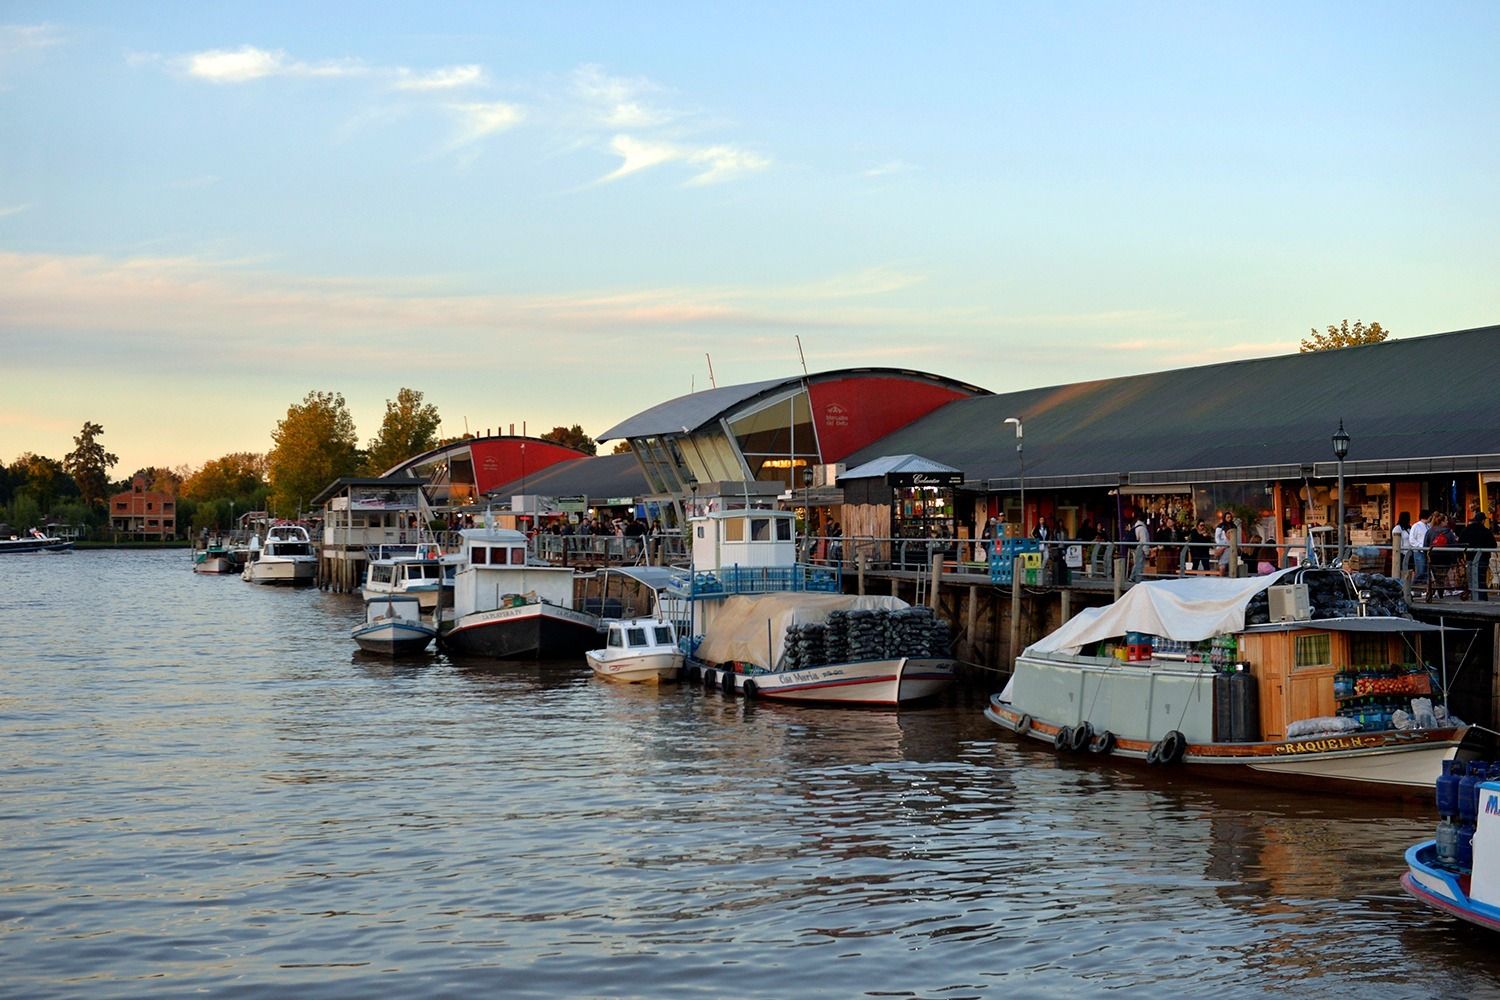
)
(207, 790)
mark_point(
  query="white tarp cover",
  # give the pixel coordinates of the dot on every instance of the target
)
(738, 630)
(1189, 610)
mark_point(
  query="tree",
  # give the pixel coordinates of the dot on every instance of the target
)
(314, 445)
(233, 476)
(1344, 335)
(621, 447)
(572, 437)
(42, 480)
(410, 427)
(158, 480)
(89, 464)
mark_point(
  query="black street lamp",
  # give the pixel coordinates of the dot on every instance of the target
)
(1020, 457)
(1340, 449)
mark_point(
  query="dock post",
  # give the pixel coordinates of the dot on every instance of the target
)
(859, 563)
(1119, 577)
(1015, 608)
(937, 578)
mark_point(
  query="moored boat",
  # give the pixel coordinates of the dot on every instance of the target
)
(1458, 872)
(637, 650)
(506, 608)
(284, 556)
(415, 571)
(393, 626)
(1244, 679)
(213, 558)
(766, 626)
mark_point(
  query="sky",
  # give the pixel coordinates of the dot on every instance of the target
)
(549, 214)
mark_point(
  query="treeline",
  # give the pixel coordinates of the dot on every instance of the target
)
(312, 446)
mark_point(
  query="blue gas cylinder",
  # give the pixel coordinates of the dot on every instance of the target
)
(1465, 854)
(1447, 790)
(1468, 795)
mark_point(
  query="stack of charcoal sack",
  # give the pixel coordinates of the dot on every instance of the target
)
(851, 636)
(805, 646)
(1331, 596)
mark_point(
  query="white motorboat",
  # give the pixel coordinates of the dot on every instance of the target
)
(1244, 679)
(393, 626)
(414, 571)
(213, 558)
(35, 541)
(637, 650)
(766, 626)
(284, 556)
(506, 608)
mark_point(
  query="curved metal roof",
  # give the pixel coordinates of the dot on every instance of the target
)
(696, 409)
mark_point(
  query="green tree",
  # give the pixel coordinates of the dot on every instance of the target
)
(42, 480)
(621, 447)
(410, 427)
(89, 464)
(234, 476)
(1344, 335)
(572, 437)
(314, 445)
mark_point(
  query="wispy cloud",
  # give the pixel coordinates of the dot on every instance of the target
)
(714, 163)
(247, 63)
(21, 37)
(890, 167)
(9, 210)
(617, 102)
(482, 119)
(449, 78)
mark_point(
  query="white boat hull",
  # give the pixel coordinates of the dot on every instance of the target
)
(393, 636)
(285, 572)
(644, 668)
(888, 683)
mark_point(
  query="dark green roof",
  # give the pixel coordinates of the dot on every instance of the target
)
(596, 476)
(1422, 405)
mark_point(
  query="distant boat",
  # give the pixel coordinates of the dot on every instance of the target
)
(35, 541)
(393, 626)
(637, 650)
(214, 557)
(285, 556)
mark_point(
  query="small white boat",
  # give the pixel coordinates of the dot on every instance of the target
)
(417, 573)
(1469, 887)
(638, 650)
(285, 556)
(393, 626)
(213, 558)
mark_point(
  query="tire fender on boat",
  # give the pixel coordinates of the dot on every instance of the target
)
(1153, 756)
(727, 682)
(710, 677)
(1103, 743)
(1173, 746)
(1081, 737)
(750, 689)
(1063, 739)
(691, 673)
(1023, 725)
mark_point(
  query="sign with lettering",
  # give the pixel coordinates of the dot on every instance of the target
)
(835, 415)
(926, 478)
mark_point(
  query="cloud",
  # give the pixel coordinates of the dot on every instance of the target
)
(246, 63)
(481, 119)
(9, 210)
(718, 163)
(617, 102)
(449, 78)
(890, 167)
(23, 37)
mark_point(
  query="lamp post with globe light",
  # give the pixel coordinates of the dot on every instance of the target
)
(1340, 449)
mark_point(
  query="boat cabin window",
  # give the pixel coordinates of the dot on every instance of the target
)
(760, 529)
(700, 531)
(734, 529)
(479, 555)
(1367, 650)
(663, 635)
(637, 636)
(783, 530)
(518, 557)
(616, 640)
(380, 574)
(499, 557)
(1314, 650)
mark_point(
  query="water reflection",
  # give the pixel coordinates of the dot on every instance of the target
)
(266, 812)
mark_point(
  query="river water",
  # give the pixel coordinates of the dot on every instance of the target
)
(207, 789)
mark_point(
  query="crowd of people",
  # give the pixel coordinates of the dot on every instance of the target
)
(1443, 560)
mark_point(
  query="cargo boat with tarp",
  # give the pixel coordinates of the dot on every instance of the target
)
(1310, 678)
(765, 625)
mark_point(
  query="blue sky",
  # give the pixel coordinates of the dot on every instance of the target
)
(551, 213)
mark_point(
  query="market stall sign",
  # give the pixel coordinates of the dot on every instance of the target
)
(926, 479)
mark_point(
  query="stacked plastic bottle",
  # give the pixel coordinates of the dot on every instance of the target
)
(1458, 810)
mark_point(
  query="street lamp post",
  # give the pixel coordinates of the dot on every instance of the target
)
(807, 478)
(1020, 457)
(1340, 449)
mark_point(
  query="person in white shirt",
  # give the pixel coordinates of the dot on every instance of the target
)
(1401, 545)
(1416, 541)
(1222, 534)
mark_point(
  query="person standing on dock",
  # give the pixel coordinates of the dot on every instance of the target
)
(1479, 540)
(1416, 540)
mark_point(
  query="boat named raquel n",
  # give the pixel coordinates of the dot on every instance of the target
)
(1305, 678)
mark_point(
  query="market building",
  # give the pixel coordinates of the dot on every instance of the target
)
(462, 472)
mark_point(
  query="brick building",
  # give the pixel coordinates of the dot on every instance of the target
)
(143, 513)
